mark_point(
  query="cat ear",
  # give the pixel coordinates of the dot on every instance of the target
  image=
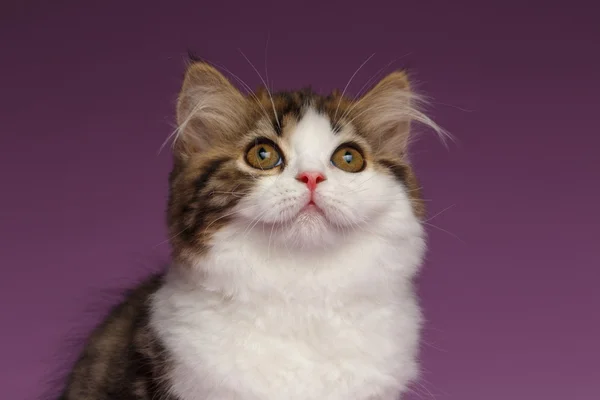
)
(209, 109)
(387, 110)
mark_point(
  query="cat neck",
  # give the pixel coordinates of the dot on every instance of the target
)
(246, 266)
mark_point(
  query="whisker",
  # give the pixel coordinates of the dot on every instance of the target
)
(169, 238)
(360, 92)
(427, 391)
(247, 87)
(269, 246)
(444, 210)
(348, 84)
(228, 214)
(183, 230)
(232, 193)
(253, 219)
(387, 199)
(256, 221)
(453, 106)
(266, 86)
(427, 343)
(443, 230)
(373, 77)
(266, 54)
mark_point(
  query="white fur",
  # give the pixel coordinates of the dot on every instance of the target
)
(288, 307)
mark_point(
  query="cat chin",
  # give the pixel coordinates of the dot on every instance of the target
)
(310, 229)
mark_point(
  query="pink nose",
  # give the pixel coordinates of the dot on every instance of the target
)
(311, 179)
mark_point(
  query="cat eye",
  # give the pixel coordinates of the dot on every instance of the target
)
(263, 155)
(348, 158)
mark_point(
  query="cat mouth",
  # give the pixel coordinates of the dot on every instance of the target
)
(311, 207)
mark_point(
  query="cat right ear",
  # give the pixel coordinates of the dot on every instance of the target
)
(209, 109)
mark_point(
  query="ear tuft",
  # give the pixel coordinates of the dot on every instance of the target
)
(262, 93)
(397, 80)
(193, 57)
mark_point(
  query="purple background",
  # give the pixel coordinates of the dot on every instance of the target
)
(87, 96)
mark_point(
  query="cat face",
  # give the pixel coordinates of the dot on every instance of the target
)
(294, 169)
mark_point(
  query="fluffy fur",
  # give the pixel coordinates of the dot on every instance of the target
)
(266, 298)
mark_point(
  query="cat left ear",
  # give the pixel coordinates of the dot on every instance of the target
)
(209, 109)
(387, 110)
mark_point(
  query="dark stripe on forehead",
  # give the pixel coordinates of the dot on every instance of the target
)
(295, 104)
(328, 106)
(400, 171)
(290, 103)
(305, 95)
(336, 127)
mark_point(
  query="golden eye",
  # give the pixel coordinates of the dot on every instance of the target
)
(349, 159)
(263, 156)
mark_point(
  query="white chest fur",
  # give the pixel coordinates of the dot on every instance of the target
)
(260, 326)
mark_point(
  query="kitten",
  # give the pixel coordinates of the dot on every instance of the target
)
(296, 231)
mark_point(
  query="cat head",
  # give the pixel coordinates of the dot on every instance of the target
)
(293, 169)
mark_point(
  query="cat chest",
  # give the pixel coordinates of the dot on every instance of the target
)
(297, 351)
